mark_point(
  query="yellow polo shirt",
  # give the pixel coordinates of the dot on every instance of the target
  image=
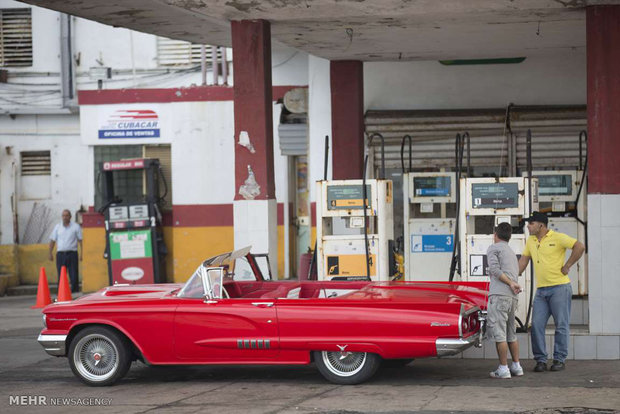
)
(548, 257)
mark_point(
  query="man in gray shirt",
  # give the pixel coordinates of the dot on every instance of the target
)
(503, 290)
(68, 235)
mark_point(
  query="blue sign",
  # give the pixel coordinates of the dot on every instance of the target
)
(431, 243)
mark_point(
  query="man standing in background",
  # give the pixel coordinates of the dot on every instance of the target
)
(68, 235)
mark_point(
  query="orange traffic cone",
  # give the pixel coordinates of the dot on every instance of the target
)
(64, 291)
(43, 291)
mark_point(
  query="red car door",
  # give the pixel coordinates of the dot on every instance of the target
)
(226, 330)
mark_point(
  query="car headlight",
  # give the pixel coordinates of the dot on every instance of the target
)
(44, 321)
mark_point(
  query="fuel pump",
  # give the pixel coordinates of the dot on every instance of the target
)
(486, 202)
(135, 248)
(355, 228)
(429, 216)
(561, 196)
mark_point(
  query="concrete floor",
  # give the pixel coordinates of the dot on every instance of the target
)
(431, 386)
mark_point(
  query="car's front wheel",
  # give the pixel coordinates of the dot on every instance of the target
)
(99, 356)
(348, 368)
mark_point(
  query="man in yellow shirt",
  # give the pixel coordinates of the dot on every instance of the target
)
(547, 250)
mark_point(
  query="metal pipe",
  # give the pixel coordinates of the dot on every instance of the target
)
(224, 66)
(376, 134)
(203, 64)
(214, 66)
(402, 153)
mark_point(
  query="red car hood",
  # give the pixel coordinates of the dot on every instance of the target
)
(133, 292)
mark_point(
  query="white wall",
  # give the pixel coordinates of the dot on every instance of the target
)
(319, 120)
(548, 80)
(69, 185)
(203, 159)
(603, 263)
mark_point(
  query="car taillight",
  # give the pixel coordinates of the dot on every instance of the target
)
(473, 321)
(465, 325)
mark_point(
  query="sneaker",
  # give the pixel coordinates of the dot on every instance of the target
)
(500, 374)
(557, 365)
(540, 366)
(517, 372)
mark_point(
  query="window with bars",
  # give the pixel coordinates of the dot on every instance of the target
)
(129, 184)
(15, 37)
(178, 53)
(36, 163)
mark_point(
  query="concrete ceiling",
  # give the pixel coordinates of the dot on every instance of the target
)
(368, 30)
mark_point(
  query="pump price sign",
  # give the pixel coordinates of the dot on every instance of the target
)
(347, 197)
(131, 256)
(495, 195)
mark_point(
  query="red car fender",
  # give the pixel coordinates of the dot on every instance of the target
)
(111, 324)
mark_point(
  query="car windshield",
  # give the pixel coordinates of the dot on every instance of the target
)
(193, 287)
(231, 265)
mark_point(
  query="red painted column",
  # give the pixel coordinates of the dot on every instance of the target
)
(603, 38)
(251, 41)
(347, 97)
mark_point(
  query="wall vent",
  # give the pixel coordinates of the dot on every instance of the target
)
(36, 163)
(15, 37)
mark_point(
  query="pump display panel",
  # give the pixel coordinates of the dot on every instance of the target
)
(556, 185)
(495, 195)
(348, 197)
(432, 187)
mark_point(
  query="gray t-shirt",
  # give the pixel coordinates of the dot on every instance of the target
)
(502, 259)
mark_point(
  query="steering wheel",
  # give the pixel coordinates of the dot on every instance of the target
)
(225, 294)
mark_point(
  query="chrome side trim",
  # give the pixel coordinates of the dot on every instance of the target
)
(53, 344)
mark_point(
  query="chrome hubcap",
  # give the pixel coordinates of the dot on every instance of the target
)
(96, 357)
(344, 363)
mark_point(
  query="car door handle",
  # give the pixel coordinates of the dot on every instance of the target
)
(263, 304)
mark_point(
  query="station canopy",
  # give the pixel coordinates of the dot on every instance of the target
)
(371, 30)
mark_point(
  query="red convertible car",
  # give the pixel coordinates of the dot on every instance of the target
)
(229, 313)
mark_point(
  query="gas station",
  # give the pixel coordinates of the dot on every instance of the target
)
(373, 69)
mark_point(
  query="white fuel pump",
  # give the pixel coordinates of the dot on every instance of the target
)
(429, 216)
(341, 242)
(486, 202)
(558, 193)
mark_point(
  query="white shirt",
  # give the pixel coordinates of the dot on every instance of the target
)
(66, 237)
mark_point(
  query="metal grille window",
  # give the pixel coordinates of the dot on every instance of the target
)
(127, 184)
(180, 54)
(15, 37)
(36, 163)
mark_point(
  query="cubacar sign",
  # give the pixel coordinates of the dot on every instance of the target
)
(130, 123)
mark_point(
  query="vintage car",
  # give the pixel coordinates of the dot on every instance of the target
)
(228, 312)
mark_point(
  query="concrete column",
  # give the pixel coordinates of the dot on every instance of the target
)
(347, 96)
(255, 214)
(603, 60)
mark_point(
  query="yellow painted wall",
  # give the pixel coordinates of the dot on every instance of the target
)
(94, 266)
(192, 245)
(8, 263)
(31, 257)
(187, 248)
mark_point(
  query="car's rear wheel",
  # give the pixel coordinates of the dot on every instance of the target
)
(348, 368)
(99, 356)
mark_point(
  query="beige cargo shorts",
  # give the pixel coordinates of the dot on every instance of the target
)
(501, 318)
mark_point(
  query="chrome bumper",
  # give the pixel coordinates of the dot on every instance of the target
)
(53, 344)
(453, 346)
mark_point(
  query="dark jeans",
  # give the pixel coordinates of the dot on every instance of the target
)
(69, 259)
